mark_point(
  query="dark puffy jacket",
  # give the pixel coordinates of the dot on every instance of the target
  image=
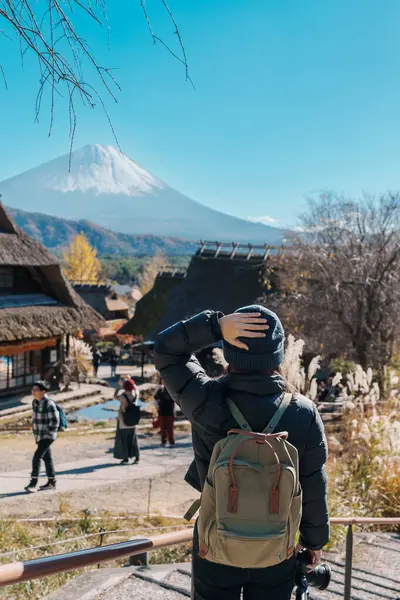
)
(203, 402)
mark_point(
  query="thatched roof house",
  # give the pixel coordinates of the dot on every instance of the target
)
(150, 309)
(221, 277)
(104, 300)
(37, 307)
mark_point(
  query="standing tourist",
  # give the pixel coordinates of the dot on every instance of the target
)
(97, 356)
(114, 360)
(45, 425)
(250, 514)
(166, 415)
(126, 445)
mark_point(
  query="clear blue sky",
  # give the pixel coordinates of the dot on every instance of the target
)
(292, 96)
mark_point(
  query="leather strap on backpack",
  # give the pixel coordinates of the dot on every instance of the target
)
(284, 403)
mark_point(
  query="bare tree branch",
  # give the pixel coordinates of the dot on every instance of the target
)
(4, 77)
(353, 258)
(47, 30)
(156, 39)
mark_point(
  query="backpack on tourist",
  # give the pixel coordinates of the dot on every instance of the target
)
(63, 425)
(251, 501)
(131, 414)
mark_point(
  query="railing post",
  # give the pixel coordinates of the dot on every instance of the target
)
(139, 560)
(101, 533)
(348, 563)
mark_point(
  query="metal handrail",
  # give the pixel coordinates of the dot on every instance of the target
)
(18, 572)
(364, 521)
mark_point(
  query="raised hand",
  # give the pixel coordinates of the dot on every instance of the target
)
(244, 325)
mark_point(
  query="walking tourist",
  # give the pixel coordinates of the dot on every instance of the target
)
(45, 425)
(166, 415)
(126, 445)
(259, 455)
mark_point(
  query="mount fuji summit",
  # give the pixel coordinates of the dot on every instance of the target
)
(107, 188)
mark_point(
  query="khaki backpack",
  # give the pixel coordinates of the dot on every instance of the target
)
(251, 501)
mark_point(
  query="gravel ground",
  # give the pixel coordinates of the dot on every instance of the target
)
(75, 447)
(135, 491)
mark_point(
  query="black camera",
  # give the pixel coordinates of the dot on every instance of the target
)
(319, 577)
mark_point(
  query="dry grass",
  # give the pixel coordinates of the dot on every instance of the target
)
(19, 536)
(364, 480)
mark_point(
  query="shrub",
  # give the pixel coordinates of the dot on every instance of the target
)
(365, 479)
(82, 355)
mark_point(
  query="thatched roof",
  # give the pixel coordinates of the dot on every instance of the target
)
(37, 322)
(220, 282)
(101, 297)
(150, 309)
(17, 248)
(217, 284)
(60, 309)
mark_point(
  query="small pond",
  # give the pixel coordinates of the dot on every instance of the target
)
(100, 412)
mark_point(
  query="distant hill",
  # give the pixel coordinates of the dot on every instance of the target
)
(106, 187)
(56, 233)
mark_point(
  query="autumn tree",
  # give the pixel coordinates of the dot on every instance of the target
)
(345, 276)
(150, 270)
(82, 264)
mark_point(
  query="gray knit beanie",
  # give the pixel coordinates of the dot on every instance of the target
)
(264, 354)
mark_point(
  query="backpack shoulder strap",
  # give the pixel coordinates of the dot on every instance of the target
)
(237, 415)
(284, 403)
(47, 400)
(128, 400)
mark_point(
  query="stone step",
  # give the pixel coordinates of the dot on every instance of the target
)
(164, 582)
(136, 588)
(374, 577)
(25, 404)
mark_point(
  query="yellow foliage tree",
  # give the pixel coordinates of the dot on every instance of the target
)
(82, 264)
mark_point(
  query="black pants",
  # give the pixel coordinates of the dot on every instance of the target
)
(43, 452)
(211, 581)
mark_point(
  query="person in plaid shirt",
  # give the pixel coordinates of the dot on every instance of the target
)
(45, 424)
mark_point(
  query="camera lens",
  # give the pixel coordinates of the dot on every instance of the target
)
(320, 577)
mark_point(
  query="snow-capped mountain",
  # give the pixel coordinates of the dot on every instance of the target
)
(106, 187)
(98, 170)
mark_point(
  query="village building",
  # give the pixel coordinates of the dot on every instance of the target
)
(105, 301)
(39, 309)
(150, 309)
(131, 292)
(220, 276)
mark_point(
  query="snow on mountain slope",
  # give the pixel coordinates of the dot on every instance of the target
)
(106, 187)
(96, 169)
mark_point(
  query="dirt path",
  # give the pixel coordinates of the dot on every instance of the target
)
(89, 477)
